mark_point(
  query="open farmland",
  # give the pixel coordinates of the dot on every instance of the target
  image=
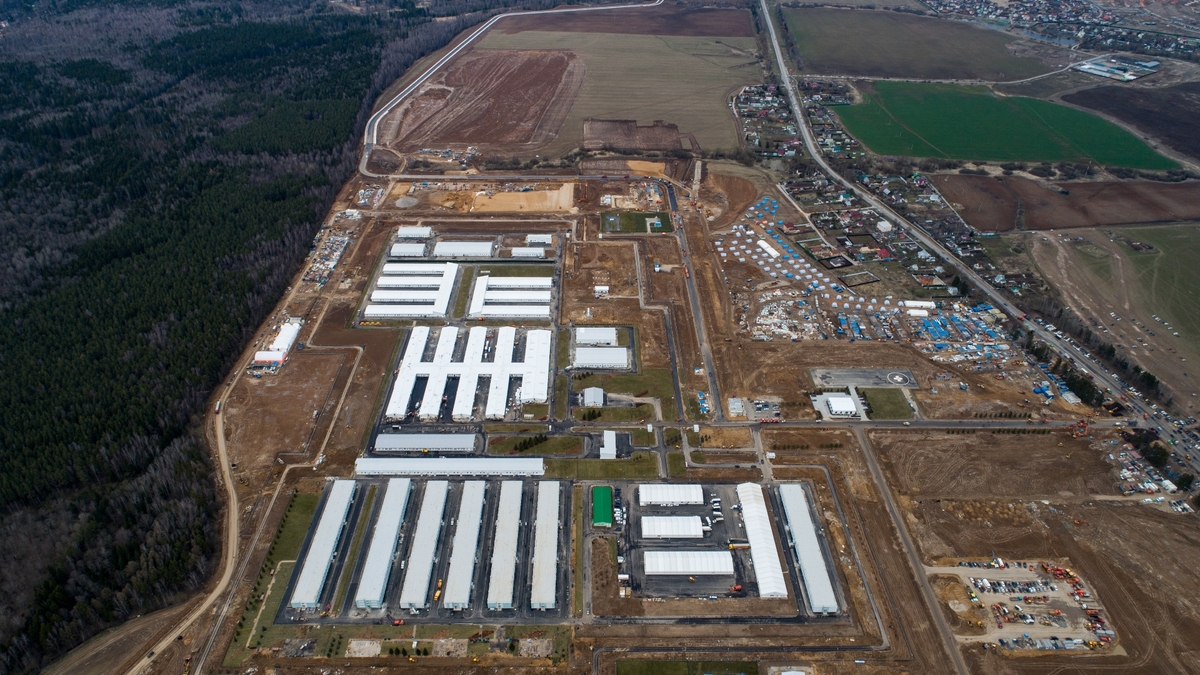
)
(960, 122)
(680, 80)
(1000, 205)
(660, 20)
(889, 44)
(1168, 114)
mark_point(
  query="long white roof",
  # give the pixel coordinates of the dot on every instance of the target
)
(406, 310)
(528, 252)
(373, 582)
(407, 251)
(463, 249)
(504, 548)
(690, 563)
(415, 592)
(518, 296)
(449, 466)
(815, 572)
(412, 290)
(425, 442)
(596, 335)
(466, 543)
(669, 494)
(672, 527)
(288, 333)
(408, 281)
(545, 547)
(764, 549)
(413, 232)
(307, 592)
(520, 282)
(601, 357)
(423, 269)
(501, 296)
(534, 372)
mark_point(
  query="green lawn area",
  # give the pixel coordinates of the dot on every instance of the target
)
(560, 635)
(1167, 279)
(642, 438)
(888, 44)
(676, 466)
(682, 80)
(519, 270)
(642, 411)
(555, 445)
(887, 404)
(560, 397)
(502, 428)
(464, 292)
(562, 346)
(961, 122)
(687, 668)
(639, 465)
(576, 550)
(631, 221)
(288, 539)
(1097, 260)
(656, 382)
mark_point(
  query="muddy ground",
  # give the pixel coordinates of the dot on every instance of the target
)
(667, 19)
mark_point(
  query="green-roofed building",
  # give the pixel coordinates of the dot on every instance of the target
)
(602, 506)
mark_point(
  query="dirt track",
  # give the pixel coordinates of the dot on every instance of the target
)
(994, 205)
(661, 20)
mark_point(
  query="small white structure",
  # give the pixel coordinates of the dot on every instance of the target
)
(277, 352)
(544, 594)
(688, 563)
(768, 249)
(672, 527)
(413, 232)
(736, 408)
(449, 466)
(463, 249)
(593, 397)
(504, 548)
(539, 239)
(669, 494)
(604, 358)
(764, 548)
(529, 252)
(310, 583)
(609, 449)
(397, 443)
(601, 336)
(841, 406)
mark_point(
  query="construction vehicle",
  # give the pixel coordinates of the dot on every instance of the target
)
(437, 595)
(736, 588)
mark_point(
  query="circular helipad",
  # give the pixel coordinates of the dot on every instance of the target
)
(900, 379)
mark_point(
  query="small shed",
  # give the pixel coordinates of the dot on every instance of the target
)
(593, 397)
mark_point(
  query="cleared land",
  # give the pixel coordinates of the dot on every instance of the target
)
(999, 205)
(489, 98)
(1168, 114)
(680, 80)
(889, 44)
(661, 20)
(960, 122)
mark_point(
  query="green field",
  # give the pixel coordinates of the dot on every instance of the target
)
(555, 445)
(687, 668)
(639, 465)
(1167, 280)
(681, 80)
(629, 221)
(676, 465)
(655, 382)
(887, 404)
(960, 122)
(888, 44)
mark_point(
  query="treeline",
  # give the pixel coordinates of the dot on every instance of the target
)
(158, 189)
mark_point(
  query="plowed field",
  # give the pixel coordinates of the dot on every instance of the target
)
(661, 20)
(993, 205)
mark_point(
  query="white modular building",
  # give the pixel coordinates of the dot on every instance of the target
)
(373, 582)
(768, 249)
(413, 232)
(412, 290)
(604, 336)
(764, 551)
(504, 547)
(814, 571)
(669, 494)
(529, 252)
(463, 249)
(841, 406)
(503, 297)
(398, 443)
(414, 594)
(534, 372)
(593, 397)
(544, 594)
(688, 563)
(607, 358)
(672, 527)
(310, 583)
(539, 239)
(449, 466)
(609, 449)
(407, 250)
(464, 550)
(277, 352)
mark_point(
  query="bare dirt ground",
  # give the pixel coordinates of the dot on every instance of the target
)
(627, 135)
(961, 614)
(993, 205)
(1166, 113)
(936, 464)
(667, 19)
(552, 200)
(489, 99)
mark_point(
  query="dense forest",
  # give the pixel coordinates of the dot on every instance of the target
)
(164, 166)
